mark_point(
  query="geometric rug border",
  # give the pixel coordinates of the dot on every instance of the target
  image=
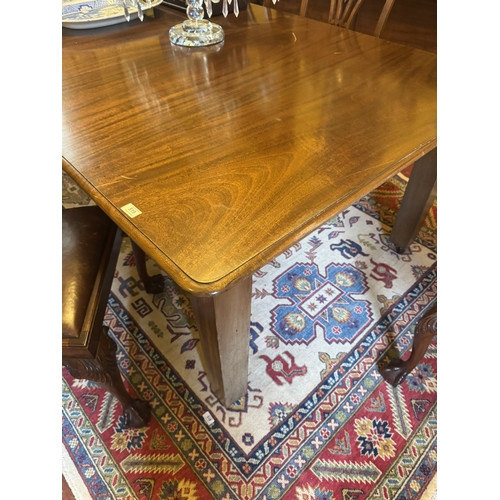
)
(236, 455)
(219, 434)
(423, 471)
(90, 472)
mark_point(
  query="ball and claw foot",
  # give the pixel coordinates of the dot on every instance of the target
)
(137, 414)
(104, 371)
(397, 370)
(154, 284)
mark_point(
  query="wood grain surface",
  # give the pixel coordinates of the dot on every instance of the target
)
(234, 152)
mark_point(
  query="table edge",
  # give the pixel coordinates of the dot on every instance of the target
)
(225, 282)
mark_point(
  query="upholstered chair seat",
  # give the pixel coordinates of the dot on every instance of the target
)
(90, 249)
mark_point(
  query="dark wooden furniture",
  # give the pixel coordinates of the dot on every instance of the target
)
(397, 370)
(384, 16)
(411, 22)
(90, 248)
(419, 196)
(152, 284)
(341, 12)
(234, 152)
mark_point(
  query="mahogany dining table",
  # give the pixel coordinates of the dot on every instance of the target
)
(214, 160)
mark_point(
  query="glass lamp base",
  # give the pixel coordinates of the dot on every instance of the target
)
(199, 33)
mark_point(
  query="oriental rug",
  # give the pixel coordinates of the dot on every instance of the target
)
(318, 421)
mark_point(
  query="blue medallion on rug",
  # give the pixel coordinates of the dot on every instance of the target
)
(320, 305)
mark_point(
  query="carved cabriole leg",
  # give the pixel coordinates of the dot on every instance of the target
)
(104, 371)
(152, 284)
(417, 200)
(223, 322)
(397, 370)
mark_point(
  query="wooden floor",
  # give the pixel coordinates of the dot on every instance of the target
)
(412, 22)
(67, 494)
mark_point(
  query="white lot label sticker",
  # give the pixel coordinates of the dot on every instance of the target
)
(208, 418)
(131, 210)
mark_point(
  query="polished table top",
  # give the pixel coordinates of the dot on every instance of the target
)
(234, 152)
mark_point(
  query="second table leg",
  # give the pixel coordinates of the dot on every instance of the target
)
(223, 322)
(417, 201)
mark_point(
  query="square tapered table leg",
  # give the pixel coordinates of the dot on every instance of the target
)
(417, 201)
(223, 322)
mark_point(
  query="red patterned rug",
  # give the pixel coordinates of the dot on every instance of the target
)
(318, 421)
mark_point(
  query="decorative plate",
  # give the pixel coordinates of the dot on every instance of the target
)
(86, 14)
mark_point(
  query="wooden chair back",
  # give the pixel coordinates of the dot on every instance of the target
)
(383, 17)
(342, 12)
